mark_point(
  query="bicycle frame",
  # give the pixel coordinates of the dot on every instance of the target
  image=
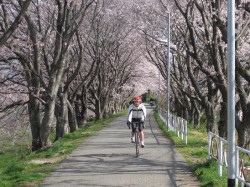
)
(137, 138)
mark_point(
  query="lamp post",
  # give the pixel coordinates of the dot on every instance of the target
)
(231, 93)
(159, 82)
(168, 72)
(167, 42)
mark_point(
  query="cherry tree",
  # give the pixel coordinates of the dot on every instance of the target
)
(79, 72)
(7, 27)
(41, 45)
(39, 62)
(205, 38)
(111, 49)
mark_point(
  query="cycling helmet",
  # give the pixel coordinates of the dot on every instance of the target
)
(137, 98)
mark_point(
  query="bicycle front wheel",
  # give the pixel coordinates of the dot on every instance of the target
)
(137, 144)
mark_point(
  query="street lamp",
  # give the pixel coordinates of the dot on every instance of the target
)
(167, 42)
(168, 72)
(231, 94)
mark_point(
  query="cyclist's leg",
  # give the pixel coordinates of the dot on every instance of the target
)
(142, 135)
(142, 139)
(132, 132)
(132, 137)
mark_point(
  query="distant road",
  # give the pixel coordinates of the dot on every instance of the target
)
(107, 159)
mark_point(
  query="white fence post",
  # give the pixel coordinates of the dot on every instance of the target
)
(176, 124)
(182, 128)
(177, 127)
(237, 167)
(209, 144)
(186, 132)
(220, 157)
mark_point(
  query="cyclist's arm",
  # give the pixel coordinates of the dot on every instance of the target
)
(130, 111)
(144, 111)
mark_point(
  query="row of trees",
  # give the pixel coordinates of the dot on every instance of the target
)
(199, 61)
(63, 58)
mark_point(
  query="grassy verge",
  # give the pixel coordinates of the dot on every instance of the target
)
(196, 154)
(18, 167)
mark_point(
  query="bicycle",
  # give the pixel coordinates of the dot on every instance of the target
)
(137, 138)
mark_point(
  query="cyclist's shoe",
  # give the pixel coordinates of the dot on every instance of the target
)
(142, 145)
(132, 140)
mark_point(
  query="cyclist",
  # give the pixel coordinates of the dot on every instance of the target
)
(137, 113)
(152, 102)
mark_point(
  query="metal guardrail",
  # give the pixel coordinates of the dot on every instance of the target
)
(176, 124)
(217, 149)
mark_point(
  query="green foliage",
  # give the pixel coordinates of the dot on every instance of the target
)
(148, 95)
(17, 169)
(207, 173)
(196, 154)
(16, 163)
(14, 171)
(13, 168)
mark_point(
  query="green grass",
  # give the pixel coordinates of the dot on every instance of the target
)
(207, 173)
(196, 154)
(17, 168)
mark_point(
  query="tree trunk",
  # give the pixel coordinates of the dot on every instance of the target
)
(98, 111)
(72, 117)
(84, 111)
(210, 118)
(48, 117)
(244, 132)
(197, 118)
(35, 122)
(178, 108)
(243, 138)
(197, 114)
(62, 122)
(222, 127)
(47, 122)
(84, 116)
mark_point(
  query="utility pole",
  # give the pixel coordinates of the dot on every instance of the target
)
(168, 71)
(231, 92)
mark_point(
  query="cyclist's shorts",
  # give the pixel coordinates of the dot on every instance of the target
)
(134, 124)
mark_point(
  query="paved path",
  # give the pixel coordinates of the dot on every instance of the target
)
(108, 159)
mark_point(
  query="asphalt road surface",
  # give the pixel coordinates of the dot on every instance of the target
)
(108, 159)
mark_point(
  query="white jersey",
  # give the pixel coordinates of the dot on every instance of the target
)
(136, 112)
